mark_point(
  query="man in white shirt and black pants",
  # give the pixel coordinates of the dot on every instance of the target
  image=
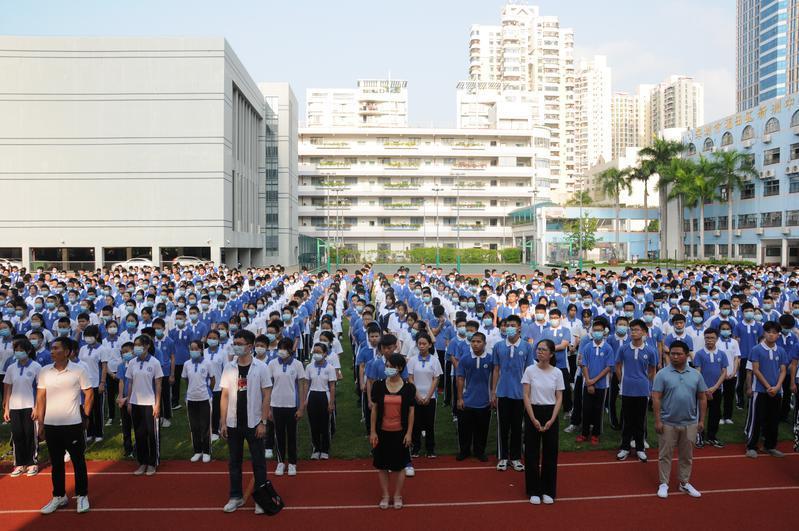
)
(244, 408)
(58, 405)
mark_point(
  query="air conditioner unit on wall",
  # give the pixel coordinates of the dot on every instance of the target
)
(759, 230)
(717, 233)
(738, 232)
(767, 139)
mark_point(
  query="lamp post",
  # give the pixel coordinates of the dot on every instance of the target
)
(327, 211)
(534, 246)
(437, 189)
(339, 233)
(580, 228)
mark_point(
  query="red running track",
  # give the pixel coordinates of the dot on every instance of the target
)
(593, 489)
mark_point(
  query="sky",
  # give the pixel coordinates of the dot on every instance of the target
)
(322, 44)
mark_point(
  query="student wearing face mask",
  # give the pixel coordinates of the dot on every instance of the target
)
(596, 360)
(126, 353)
(144, 403)
(165, 352)
(19, 408)
(321, 400)
(511, 358)
(37, 325)
(730, 348)
(288, 404)
(424, 371)
(92, 354)
(41, 352)
(217, 360)
(199, 375)
(748, 333)
(180, 336)
(561, 337)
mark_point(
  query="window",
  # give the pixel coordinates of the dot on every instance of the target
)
(708, 145)
(771, 156)
(723, 193)
(792, 218)
(793, 184)
(747, 250)
(747, 221)
(710, 223)
(771, 187)
(722, 223)
(748, 191)
(772, 126)
(726, 139)
(771, 219)
(794, 151)
(383, 246)
(795, 119)
(691, 149)
(748, 133)
(710, 249)
(773, 251)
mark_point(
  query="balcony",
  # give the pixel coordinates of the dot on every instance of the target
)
(401, 144)
(469, 165)
(468, 228)
(470, 185)
(404, 185)
(467, 145)
(401, 206)
(330, 184)
(334, 164)
(332, 145)
(402, 226)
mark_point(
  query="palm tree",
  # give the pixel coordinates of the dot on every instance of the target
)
(659, 156)
(613, 181)
(580, 198)
(642, 173)
(677, 180)
(732, 167)
(706, 188)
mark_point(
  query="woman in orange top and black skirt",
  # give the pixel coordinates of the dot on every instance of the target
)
(392, 427)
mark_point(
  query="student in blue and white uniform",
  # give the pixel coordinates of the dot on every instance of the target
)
(321, 400)
(288, 404)
(424, 372)
(93, 354)
(218, 359)
(511, 358)
(596, 360)
(474, 376)
(144, 403)
(19, 406)
(199, 373)
(635, 368)
(712, 363)
(769, 362)
(126, 353)
(730, 347)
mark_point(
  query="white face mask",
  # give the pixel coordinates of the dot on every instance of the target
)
(318, 357)
(283, 354)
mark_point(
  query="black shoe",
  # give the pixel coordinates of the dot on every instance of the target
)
(483, 458)
(461, 457)
(176, 406)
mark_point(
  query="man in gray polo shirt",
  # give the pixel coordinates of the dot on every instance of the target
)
(680, 403)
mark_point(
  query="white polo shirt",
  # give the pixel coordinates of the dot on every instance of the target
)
(320, 376)
(22, 379)
(63, 393)
(141, 375)
(423, 372)
(198, 375)
(92, 356)
(258, 378)
(285, 382)
(218, 360)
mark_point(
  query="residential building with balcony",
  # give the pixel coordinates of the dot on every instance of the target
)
(383, 191)
(593, 114)
(678, 102)
(373, 103)
(765, 212)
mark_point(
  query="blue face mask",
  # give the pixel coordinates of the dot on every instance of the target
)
(127, 356)
(20, 355)
(130, 325)
(195, 354)
(35, 343)
(487, 322)
(138, 351)
(597, 335)
(726, 333)
(391, 372)
(621, 330)
(510, 331)
(5, 332)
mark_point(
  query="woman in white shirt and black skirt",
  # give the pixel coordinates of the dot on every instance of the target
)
(543, 394)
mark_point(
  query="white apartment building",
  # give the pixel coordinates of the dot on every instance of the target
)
(628, 120)
(124, 147)
(676, 103)
(389, 190)
(374, 103)
(488, 105)
(531, 52)
(634, 198)
(594, 143)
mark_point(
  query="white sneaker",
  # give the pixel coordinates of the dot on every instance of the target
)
(663, 491)
(517, 465)
(280, 469)
(83, 504)
(98, 439)
(56, 503)
(165, 423)
(502, 465)
(109, 422)
(292, 470)
(315, 456)
(150, 471)
(409, 471)
(195, 458)
(32, 470)
(18, 471)
(728, 421)
(646, 445)
(690, 490)
(323, 456)
(641, 456)
(206, 458)
(258, 509)
(214, 437)
(233, 504)
(547, 500)
(140, 471)
(269, 453)
(535, 500)
(622, 455)
(67, 458)
(570, 428)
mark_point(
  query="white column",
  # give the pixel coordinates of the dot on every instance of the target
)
(156, 255)
(784, 254)
(98, 257)
(216, 254)
(759, 252)
(26, 257)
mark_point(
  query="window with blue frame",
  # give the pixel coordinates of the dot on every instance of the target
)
(771, 219)
(771, 187)
(792, 218)
(748, 191)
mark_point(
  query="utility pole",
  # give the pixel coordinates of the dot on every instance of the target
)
(437, 189)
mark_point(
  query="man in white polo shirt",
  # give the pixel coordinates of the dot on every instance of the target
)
(244, 408)
(58, 405)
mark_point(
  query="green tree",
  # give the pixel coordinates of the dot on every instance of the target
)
(582, 236)
(613, 181)
(677, 178)
(580, 198)
(706, 186)
(732, 167)
(654, 160)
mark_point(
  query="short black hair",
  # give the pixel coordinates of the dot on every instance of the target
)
(246, 335)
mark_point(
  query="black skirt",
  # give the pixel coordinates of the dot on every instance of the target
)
(390, 453)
